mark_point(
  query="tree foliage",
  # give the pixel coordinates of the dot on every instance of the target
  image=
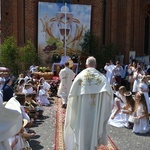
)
(103, 53)
(108, 52)
(28, 55)
(89, 43)
(15, 58)
(9, 54)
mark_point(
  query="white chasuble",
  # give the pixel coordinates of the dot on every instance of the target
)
(66, 76)
(89, 107)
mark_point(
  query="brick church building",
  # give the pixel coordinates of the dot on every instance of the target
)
(125, 23)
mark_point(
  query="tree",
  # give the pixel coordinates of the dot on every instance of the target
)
(28, 55)
(89, 46)
(9, 54)
(89, 43)
(15, 58)
(108, 52)
(103, 53)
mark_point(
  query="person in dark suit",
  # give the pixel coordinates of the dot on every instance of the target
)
(7, 89)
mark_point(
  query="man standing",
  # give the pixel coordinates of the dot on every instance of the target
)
(117, 72)
(89, 107)
(66, 77)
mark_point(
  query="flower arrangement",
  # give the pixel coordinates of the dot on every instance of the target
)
(44, 69)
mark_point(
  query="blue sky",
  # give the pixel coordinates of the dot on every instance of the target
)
(80, 12)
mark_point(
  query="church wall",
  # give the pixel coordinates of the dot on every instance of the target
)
(123, 26)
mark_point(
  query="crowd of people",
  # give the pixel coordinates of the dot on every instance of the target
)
(130, 84)
(119, 96)
(130, 87)
(23, 99)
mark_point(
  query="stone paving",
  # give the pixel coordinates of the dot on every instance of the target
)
(45, 130)
(123, 138)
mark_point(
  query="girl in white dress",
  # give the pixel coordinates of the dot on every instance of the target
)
(141, 124)
(144, 89)
(128, 109)
(46, 85)
(43, 96)
(118, 118)
(137, 77)
(27, 88)
(20, 85)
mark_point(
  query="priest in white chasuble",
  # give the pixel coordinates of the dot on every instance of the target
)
(89, 107)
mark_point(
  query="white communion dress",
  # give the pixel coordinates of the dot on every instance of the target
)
(120, 118)
(142, 125)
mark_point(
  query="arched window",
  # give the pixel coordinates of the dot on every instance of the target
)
(147, 34)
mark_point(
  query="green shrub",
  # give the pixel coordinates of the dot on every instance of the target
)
(17, 59)
(9, 54)
(103, 53)
(28, 55)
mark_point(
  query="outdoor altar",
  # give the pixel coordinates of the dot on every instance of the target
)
(57, 65)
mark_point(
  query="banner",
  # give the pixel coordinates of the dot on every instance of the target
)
(61, 28)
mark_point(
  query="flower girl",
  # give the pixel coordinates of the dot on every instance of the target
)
(117, 118)
(141, 124)
(144, 89)
(43, 96)
(128, 109)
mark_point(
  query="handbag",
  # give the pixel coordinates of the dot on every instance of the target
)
(132, 119)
